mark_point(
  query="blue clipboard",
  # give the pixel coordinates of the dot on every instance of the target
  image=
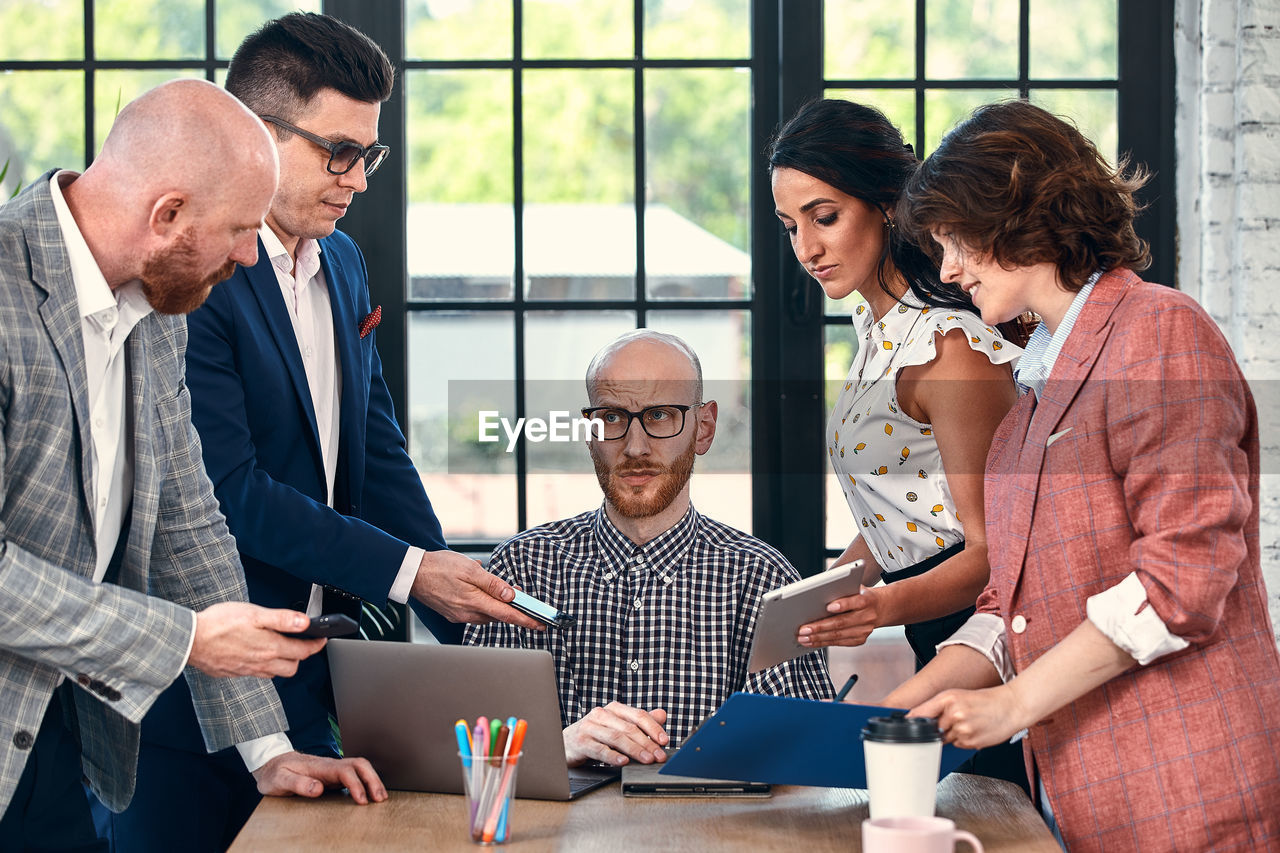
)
(785, 741)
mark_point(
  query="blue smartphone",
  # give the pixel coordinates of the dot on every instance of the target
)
(543, 612)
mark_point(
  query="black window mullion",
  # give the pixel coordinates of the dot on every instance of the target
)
(518, 274)
(1145, 105)
(921, 32)
(787, 465)
(210, 38)
(640, 167)
(1024, 48)
(90, 92)
(384, 247)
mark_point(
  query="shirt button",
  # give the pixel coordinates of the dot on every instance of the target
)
(1018, 624)
(635, 664)
(608, 576)
(639, 559)
(638, 602)
(667, 579)
(100, 422)
(306, 353)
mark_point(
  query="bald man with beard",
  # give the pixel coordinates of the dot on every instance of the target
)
(117, 572)
(665, 599)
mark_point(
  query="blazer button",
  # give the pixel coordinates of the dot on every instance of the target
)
(83, 680)
(23, 740)
(1018, 624)
(112, 694)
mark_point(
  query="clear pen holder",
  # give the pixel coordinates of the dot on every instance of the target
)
(490, 786)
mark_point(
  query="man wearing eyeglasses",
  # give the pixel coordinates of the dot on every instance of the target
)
(297, 427)
(665, 599)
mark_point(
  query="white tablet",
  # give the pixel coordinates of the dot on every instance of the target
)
(785, 609)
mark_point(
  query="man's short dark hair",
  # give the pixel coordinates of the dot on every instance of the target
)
(287, 62)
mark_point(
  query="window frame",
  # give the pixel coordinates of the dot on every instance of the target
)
(787, 313)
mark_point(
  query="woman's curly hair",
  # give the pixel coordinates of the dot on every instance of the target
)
(1016, 183)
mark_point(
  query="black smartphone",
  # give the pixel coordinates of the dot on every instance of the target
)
(328, 625)
(543, 612)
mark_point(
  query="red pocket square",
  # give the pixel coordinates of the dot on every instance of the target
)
(371, 321)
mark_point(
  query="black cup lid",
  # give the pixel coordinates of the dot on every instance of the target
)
(899, 728)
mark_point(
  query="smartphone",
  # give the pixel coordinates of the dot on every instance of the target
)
(328, 625)
(543, 612)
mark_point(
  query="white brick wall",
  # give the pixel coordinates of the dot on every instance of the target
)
(1228, 144)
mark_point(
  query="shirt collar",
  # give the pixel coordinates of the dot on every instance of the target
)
(1043, 349)
(665, 551)
(307, 253)
(896, 322)
(94, 297)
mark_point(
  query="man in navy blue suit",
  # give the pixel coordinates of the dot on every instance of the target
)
(299, 437)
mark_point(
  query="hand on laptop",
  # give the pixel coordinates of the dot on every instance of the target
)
(460, 590)
(309, 775)
(617, 734)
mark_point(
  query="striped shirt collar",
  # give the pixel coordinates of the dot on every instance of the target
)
(1043, 349)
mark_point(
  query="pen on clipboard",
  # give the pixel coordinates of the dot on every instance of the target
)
(848, 685)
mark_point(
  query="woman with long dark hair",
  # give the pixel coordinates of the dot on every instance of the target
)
(929, 383)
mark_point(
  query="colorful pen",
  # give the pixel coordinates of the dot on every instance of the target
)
(463, 734)
(509, 759)
(464, 740)
(501, 835)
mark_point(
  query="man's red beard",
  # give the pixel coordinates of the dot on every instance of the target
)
(170, 281)
(671, 479)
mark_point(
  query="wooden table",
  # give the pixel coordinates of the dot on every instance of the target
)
(793, 819)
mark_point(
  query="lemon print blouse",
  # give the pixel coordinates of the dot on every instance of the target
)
(887, 463)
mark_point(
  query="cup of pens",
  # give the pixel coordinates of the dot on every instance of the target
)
(490, 755)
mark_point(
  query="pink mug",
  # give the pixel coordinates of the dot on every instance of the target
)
(914, 835)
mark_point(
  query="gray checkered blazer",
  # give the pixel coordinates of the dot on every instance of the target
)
(121, 642)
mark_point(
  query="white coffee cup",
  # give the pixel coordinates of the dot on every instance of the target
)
(914, 835)
(902, 755)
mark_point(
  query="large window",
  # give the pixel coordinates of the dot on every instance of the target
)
(575, 170)
(564, 170)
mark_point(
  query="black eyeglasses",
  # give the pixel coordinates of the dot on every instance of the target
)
(656, 421)
(343, 156)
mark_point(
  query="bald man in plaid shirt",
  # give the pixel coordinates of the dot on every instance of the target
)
(665, 598)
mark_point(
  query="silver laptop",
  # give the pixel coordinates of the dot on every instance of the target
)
(397, 704)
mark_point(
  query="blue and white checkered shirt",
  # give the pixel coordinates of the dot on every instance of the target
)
(667, 624)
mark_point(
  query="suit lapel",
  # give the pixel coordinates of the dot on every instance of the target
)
(351, 367)
(266, 288)
(60, 311)
(1074, 363)
(146, 486)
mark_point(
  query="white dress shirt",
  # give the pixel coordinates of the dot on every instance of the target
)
(1121, 612)
(106, 319)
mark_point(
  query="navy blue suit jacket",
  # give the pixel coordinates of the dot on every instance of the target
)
(252, 408)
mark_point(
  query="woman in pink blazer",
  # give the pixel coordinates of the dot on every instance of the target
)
(1125, 624)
